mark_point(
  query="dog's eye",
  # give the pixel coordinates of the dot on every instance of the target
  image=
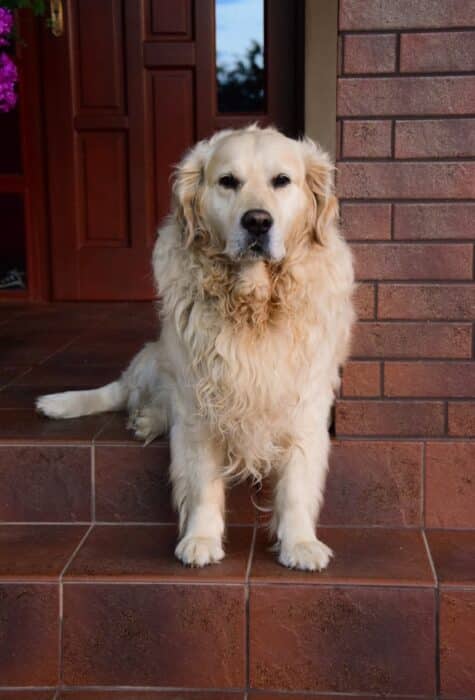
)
(280, 180)
(229, 182)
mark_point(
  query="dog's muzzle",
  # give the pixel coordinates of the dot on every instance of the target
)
(257, 223)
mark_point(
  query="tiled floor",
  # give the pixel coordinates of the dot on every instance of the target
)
(92, 600)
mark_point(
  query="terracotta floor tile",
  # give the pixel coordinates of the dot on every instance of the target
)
(83, 316)
(21, 347)
(145, 553)
(29, 426)
(154, 635)
(115, 430)
(103, 347)
(450, 484)
(9, 374)
(23, 392)
(457, 644)
(374, 483)
(29, 633)
(240, 507)
(37, 552)
(362, 556)
(374, 640)
(453, 553)
(132, 483)
(45, 483)
(55, 378)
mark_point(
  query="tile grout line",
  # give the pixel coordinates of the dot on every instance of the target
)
(436, 614)
(247, 607)
(423, 484)
(93, 482)
(61, 604)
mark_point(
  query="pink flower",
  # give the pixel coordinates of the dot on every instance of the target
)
(6, 25)
(8, 79)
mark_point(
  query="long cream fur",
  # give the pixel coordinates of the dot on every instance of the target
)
(248, 359)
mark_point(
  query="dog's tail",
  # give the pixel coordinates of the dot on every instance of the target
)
(138, 385)
(72, 404)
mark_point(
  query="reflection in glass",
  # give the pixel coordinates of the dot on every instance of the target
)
(240, 55)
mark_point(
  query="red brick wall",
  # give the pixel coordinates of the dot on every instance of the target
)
(406, 179)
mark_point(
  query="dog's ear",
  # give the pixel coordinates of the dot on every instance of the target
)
(187, 179)
(319, 177)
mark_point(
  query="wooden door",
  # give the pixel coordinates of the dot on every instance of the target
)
(129, 86)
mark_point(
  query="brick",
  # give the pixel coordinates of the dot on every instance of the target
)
(374, 483)
(450, 484)
(407, 180)
(427, 221)
(437, 261)
(435, 138)
(429, 379)
(362, 379)
(391, 418)
(370, 53)
(396, 14)
(462, 419)
(364, 301)
(428, 96)
(441, 52)
(367, 139)
(366, 221)
(427, 301)
(393, 339)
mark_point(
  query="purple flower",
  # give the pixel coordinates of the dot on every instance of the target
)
(8, 79)
(6, 25)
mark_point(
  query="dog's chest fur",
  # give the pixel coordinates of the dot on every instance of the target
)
(256, 347)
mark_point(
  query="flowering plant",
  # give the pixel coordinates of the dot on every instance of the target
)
(8, 69)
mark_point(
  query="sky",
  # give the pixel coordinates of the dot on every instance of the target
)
(238, 22)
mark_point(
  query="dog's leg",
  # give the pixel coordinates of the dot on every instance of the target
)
(298, 497)
(198, 492)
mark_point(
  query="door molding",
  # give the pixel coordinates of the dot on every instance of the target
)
(321, 63)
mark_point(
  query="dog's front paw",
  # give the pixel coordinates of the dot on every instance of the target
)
(199, 551)
(308, 556)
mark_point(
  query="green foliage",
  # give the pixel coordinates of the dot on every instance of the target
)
(37, 6)
(241, 87)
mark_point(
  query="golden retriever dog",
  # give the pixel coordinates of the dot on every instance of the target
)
(255, 283)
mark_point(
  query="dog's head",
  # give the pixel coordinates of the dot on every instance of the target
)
(253, 193)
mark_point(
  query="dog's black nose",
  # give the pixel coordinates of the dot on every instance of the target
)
(257, 221)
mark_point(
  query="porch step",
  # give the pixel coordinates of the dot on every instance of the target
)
(128, 615)
(94, 605)
(92, 470)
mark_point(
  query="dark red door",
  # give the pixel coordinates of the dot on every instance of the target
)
(129, 86)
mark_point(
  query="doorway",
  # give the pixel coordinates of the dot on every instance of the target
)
(128, 87)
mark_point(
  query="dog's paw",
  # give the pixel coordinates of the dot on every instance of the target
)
(199, 551)
(308, 556)
(147, 424)
(56, 405)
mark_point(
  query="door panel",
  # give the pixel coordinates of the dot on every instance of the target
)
(103, 199)
(128, 88)
(172, 103)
